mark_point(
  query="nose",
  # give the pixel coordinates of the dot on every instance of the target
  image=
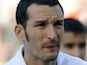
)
(51, 33)
(76, 52)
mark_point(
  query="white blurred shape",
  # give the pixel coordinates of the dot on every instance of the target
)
(69, 6)
(83, 17)
(5, 6)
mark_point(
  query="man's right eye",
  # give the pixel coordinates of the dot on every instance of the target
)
(69, 45)
(41, 24)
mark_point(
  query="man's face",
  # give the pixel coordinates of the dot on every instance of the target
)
(74, 44)
(44, 30)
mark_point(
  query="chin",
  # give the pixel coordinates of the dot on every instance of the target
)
(51, 57)
(48, 57)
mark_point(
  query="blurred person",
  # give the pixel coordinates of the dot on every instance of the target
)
(74, 41)
(40, 28)
(72, 47)
(7, 48)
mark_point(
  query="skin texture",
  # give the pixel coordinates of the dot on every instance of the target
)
(78, 42)
(44, 28)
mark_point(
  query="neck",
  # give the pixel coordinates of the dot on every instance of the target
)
(32, 60)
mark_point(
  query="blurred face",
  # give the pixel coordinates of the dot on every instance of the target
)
(44, 30)
(74, 44)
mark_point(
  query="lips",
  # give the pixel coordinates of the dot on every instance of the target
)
(50, 46)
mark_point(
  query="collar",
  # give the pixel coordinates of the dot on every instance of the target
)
(60, 58)
(17, 59)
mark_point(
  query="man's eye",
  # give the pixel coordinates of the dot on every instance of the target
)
(69, 46)
(82, 45)
(41, 24)
(58, 23)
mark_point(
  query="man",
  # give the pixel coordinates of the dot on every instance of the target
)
(40, 27)
(74, 41)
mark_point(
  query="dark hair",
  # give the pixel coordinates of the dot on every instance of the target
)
(21, 15)
(73, 25)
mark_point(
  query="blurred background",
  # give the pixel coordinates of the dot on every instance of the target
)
(9, 44)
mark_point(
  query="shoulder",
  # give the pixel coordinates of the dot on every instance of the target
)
(17, 59)
(70, 60)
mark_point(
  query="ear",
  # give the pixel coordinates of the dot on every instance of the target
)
(19, 31)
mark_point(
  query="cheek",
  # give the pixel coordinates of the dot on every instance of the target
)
(67, 50)
(60, 33)
(33, 34)
(83, 51)
(36, 37)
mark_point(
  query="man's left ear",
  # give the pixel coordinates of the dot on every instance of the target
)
(19, 31)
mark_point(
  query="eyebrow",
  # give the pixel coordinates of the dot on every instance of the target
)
(44, 21)
(40, 21)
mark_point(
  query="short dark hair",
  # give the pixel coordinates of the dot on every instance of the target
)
(73, 25)
(21, 15)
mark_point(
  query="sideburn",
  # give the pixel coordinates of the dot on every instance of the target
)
(26, 35)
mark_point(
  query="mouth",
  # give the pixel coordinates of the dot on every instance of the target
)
(50, 46)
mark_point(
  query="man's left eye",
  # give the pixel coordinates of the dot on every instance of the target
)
(58, 23)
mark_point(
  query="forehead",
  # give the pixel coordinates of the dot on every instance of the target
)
(44, 11)
(73, 37)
